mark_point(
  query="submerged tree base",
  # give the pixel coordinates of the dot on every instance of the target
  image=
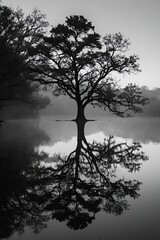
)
(77, 120)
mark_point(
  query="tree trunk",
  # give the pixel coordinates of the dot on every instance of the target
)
(78, 151)
(80, 113)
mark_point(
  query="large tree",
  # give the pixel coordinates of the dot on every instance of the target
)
(81, 64)
(17, 34)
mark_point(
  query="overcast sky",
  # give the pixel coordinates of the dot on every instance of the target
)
(138, 20)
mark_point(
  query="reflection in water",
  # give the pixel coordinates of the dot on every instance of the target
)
(139, 129)
(85, 180)
(74, 189)
(18, 180)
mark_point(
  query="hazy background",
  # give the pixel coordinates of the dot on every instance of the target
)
(138, 20)
(63, 107)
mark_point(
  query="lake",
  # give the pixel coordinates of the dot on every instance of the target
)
(97, 180)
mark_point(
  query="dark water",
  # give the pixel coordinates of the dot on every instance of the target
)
(62, 180)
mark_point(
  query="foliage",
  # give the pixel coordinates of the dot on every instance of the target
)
(81, 64)
(17, 34)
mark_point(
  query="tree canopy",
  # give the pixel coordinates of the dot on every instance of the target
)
(78, 62)
(17, 34)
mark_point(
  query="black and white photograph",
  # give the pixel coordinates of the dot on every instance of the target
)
(80, 119)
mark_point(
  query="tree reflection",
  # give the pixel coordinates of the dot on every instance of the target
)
(85, 181)
(73, 189)
(19, 170)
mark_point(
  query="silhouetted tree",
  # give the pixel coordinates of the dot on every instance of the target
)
(85, 181)
(73, 189)
(82, 65)
(17, 34)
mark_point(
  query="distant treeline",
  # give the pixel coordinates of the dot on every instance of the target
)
(152, 109)
(63, 106)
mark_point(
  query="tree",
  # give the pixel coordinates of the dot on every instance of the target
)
(72, 189)
(17, 34)
(80, 64)
(86, 180)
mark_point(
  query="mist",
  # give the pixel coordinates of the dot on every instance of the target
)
(63, 107)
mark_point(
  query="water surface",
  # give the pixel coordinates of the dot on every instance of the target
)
(125, 205)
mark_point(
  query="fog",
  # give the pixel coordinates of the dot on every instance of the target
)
(63, 107)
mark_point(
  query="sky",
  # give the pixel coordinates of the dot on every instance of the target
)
(137, 20)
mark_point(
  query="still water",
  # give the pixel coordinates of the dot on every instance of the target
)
(62, 180)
